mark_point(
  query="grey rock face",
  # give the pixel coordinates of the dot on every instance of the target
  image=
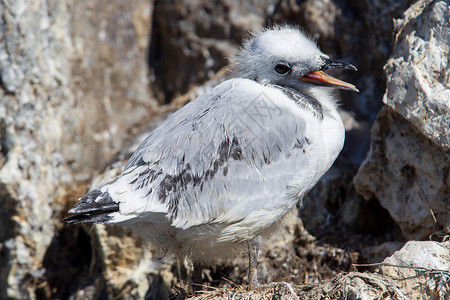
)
(34, 96)
(68, 93)
(421, 268)
(429, 255)
(109, 79)
(408, 174)
(192, 39)
(408, 165)
(418, 73)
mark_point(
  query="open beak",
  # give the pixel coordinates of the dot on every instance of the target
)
(322, 79)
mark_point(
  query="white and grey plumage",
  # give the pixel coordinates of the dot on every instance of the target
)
(222, 170)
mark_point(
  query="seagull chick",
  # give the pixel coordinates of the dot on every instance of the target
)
(222, 171)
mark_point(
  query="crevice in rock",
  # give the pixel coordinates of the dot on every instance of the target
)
(376, 220)
(8, 227)
(72, 264)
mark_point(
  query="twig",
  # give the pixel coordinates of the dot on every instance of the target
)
(398, 266)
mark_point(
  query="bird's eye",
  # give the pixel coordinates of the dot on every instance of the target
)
(282, 69)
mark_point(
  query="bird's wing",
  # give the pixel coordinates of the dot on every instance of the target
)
(235, 152)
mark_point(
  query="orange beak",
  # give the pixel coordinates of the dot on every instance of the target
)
(320, 78)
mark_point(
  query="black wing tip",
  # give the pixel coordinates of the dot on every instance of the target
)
(98, 217)
(74, 219)
(94, 207)
(84, 208)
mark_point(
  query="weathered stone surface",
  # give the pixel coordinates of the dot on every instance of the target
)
(191, 40)
(421, 268)
(72, 81)
(405, 170)
(109, 79)
(34, 97)
(130, 265)
(418, 73)
(423, 256)
(408, 174)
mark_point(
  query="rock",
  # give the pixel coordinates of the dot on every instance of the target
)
(407, 168)
(377, 253)
(421, 268)
(417, 256)
(191, 40)
(72, 81)
(418, 73)
(72, 268)
(34, 98)
(408, 175)
(109, 80)
(130, 266)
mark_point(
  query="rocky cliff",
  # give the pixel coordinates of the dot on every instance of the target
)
(81, 83)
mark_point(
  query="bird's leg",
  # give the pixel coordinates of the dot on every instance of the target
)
(178, 269)
(197, 277)
(253, 250)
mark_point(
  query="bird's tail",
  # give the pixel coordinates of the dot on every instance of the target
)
(94, 207)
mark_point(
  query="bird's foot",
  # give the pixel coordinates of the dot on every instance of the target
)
(286, 285)
(253, 284)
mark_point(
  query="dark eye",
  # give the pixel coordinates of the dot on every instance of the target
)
(282, 69)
